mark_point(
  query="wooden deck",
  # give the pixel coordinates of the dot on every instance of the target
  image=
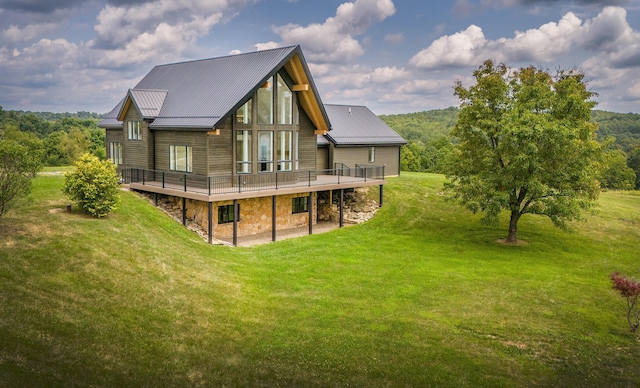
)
(322, 183)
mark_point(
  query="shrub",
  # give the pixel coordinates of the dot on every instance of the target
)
(18, 165)
(93, 185)
(629, 289)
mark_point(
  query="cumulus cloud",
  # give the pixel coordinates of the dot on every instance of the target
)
(333, 41)
(15, 34)
(466, 8)
(394, 38)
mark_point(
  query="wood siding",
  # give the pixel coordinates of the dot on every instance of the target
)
(322, 158)
(136, 153)
(196, 140)
(308, 142)
(387, 156)
(220, 151)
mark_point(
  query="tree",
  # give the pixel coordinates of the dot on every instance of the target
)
(17, 167)
(616, 174)
(93, 185)
(629, 289)
(526, 145)
(633, 161)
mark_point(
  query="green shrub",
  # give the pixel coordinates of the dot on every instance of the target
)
(93, 185)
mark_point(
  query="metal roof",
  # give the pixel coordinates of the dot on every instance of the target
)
(204, 93)
(357, 126)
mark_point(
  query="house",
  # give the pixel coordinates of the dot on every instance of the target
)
(233, 141)
(358, 138)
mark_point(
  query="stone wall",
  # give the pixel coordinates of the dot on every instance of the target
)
(358, 207)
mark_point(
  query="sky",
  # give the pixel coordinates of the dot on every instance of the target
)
(394, 56)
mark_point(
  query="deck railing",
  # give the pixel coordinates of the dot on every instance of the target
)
(240, 183)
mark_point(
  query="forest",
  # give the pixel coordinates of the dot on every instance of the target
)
(60, 138)
(429, 143)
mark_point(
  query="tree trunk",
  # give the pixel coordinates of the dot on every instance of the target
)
(513, 226)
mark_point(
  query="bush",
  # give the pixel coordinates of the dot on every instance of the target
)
(93, 185)
(629, 289)
(18, 165)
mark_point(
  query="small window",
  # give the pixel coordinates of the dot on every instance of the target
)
(299, 205)
(115, 153)
(180, 158)
(225, 214)
(372, 154)
(133, 130)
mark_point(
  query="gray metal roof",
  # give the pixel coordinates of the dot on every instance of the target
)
(358, 126)
(111, 119)
(203, 93)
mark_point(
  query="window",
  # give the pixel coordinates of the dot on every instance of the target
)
(180, 158)
(284, 150)
(265, 103)
(299, 205)
(243, 152)
(372, 154)
(265, 151)
(225, 214)
(243, 115)
(115, 153)
(133, 130)
(285, 102)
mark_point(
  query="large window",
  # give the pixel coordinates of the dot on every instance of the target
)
(265, 103)
(285, 102)
(265, 151)
(225, 214)
(180, 158)
(284, 150)
(243, 115)
(299, 205)
(133, 130)
(243, 152)
(115, 153)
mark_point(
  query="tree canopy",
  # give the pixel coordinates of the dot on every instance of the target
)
(526, 145)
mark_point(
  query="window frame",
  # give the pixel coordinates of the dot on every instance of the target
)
(173, 158)
(115, 148)
(244, 163)
(133, 130)
(300, 205)
(284, 154)
(372, 154)
(226, 214)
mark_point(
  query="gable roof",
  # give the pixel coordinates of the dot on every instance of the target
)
(202, 94)
(358, 126)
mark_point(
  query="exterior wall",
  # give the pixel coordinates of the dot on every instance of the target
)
(136, 153)
(197, 140)
(220, 151)
(387, 156)
(308, 142)
(114, 136)
(255, 215)
(322, 158)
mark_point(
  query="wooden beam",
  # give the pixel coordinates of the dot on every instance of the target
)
(124, 110)
(215, 132)
(301, 88)
(320, 132)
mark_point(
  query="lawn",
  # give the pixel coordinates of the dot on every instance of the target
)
(421, 295)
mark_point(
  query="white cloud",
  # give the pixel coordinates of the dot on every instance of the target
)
(15, 34)
(333, 41)
(394, 38)
(460, 49)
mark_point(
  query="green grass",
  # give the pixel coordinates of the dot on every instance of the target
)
(422, 295)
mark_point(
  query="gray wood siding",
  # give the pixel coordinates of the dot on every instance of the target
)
(220, 151)
(136, 153)
(387, 156)
(308, 142)
(322, 158)
(196, 140)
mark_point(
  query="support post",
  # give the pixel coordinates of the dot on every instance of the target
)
(210, 221)
(236, 215)
(310, 208)
(341, 208)
(184, 211)
(381, 195)
(273, 218)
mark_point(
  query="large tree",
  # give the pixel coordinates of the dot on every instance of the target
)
(526, 145)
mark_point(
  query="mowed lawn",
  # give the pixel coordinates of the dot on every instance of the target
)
(422, 295)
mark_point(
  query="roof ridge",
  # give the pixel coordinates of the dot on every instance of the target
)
(228, 56)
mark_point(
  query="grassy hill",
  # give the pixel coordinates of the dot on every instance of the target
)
(422, 295)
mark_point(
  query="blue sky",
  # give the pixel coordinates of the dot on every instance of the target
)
(394, 56)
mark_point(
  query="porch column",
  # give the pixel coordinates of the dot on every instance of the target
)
(310, 208)
(210, 220)
(236, 215)
(381, 195)
(273, 218)
(341, 207)
(184, 211)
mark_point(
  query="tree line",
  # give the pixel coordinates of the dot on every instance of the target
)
(429, 143)
(56, 138)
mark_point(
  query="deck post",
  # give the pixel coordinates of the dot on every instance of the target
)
(210, 221)
(235, 222)
(273, 218)
(163, 179)
(185, 182)
(184, 211)
(341, 207)
(381, 195)
(310, 208)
